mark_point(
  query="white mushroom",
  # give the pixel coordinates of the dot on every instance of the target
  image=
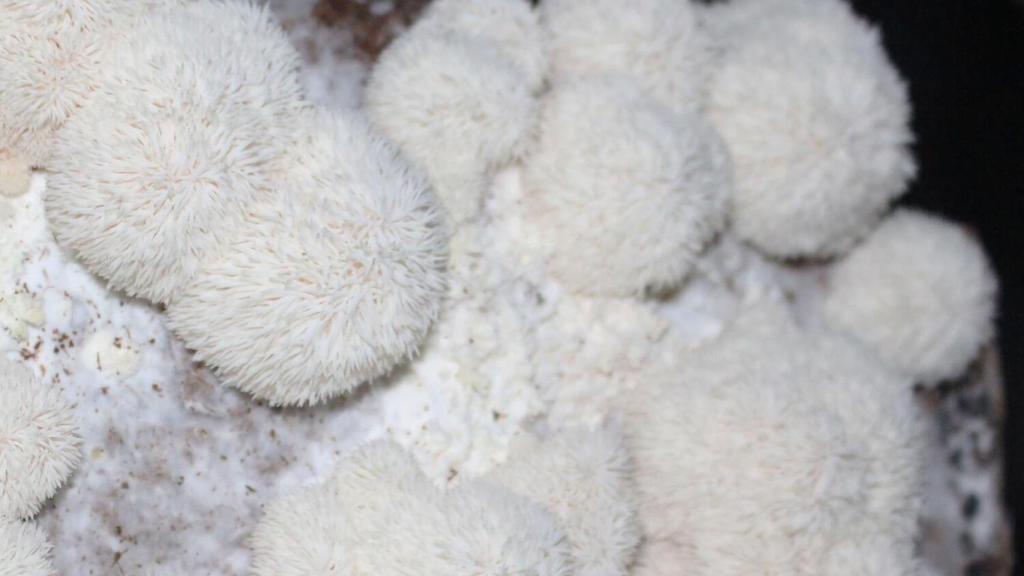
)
(39, 442)
(379, 515)
(329, 283)
(24, 549)
(457, 106)
(154, 172)
(773, 450)
(622, 193)
(816, 119)
(662, 44)
(583, 478)
(920, 292)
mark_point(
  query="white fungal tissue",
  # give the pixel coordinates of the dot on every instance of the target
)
(173, 146)
(622, 193)
(775, 450)
(584, 479)
(330, 282)
(39, 441)
(24, 549)
(379, 514)
(455, 102)
(816, 119)
(920, 292)
(662, 44)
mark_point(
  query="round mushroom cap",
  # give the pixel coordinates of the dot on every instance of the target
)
(817, 121)
(662, 44)
(39, 441)
(328, 284)
(24, 549)
(152, 175)
(380, 515)
(583, 478)
(512, 25)
(623, 194)
(919, 292)
(769, 448)
(456, 106)
(50, 55)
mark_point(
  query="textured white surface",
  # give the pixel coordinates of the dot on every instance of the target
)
(177, 467)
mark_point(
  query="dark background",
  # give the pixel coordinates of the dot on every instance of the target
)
(964, 60)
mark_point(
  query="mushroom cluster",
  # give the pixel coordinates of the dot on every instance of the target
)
(294, 249)
(546, 182)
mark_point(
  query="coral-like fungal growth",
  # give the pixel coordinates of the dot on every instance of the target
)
(457, 106)
(24, 549)
(153, 173)
(661, 43)
(920, 292)
(623, 193)
(329, 283)
(39, 443)
(380, 515)
(816, 119)
(584, 479)
(770, 450)
(512, 25)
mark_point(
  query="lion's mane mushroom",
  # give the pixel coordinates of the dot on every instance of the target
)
(920, 292)
(816, 119)
(623, 194)
(661, 43)
(39, 442)
(330, 282)
(584, 479)
(49, 67)
(774, 450)
(457, 104)
(512, 25)
(379, 514)
(24, 549)
(155, 170)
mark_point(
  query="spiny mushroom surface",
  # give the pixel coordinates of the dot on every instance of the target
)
(919, 292)
(153, 173)
(661, 43)
(380, 515)
(328, 283)
(24, 549)
(456, 104)
(774, 450)
(511, 25)
(584, 479)
(49, 61)
(39, 442)
(816, 119)
(622, 193)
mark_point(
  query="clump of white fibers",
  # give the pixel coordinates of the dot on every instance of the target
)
(24, 549)
(816, 118)
(153, 173)
(920, 292)
(380, 515)
(772, 450)
(457, 106)
(327, 284)
(49, 62)
(39, 442)
(622, 193)
(583, 478)
(661, 43)
(513, 25)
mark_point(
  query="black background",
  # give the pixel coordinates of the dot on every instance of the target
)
(964, 60)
